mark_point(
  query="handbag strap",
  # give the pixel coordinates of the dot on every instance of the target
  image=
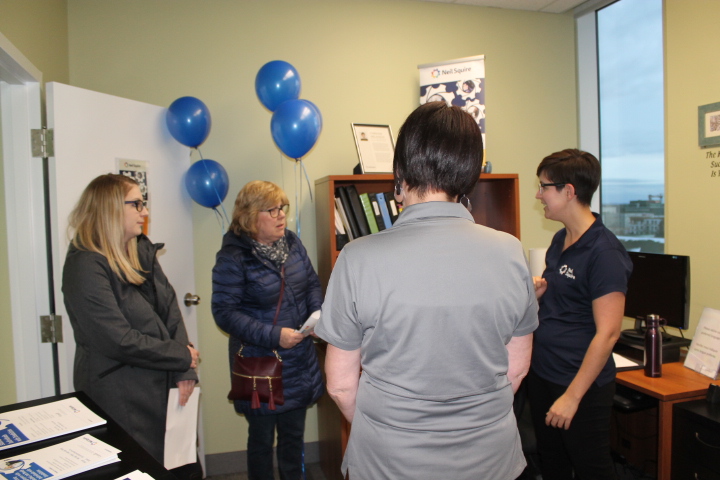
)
(282, 290)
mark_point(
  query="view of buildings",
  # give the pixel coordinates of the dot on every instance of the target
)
(638, 224)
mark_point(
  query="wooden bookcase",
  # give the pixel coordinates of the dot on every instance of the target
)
(495, 203)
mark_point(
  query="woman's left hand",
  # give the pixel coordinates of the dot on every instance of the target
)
(186, 388)
(562, 412)
(289, 337)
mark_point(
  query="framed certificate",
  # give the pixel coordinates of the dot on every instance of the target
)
(709, 125)
(375, 147)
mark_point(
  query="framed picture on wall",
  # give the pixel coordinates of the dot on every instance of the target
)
(709, 125)
(375, 147)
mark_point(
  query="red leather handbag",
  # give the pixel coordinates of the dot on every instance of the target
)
(258, 379)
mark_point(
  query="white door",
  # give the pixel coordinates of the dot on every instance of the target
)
(92, 132)
(23, 188)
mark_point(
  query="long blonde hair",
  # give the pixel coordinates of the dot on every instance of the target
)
(98, 224)
(254, 197)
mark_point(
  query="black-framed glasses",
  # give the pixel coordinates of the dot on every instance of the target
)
(139, 204)
(275, 211)
(542, 186)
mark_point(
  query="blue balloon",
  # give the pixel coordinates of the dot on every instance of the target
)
(188, 120)
(277, 82)
(295, 127)
(207, 183)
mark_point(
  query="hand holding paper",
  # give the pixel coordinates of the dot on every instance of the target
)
(309, 326)
(185, 389)
(181, 429)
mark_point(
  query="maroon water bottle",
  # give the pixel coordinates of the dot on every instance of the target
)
(653, 347)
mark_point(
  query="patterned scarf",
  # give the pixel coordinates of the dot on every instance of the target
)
(277, 253)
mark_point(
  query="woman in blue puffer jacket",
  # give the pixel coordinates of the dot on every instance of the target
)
(255, 252)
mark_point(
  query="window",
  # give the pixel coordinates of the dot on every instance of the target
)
(630, 117)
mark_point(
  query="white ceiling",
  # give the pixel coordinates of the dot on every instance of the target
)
(548, 6)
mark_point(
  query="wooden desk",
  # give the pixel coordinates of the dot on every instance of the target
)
(677, 384)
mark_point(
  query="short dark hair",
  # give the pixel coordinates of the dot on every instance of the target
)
(439, 148)
(581, 169)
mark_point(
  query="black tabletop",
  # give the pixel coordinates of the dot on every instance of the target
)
(132, 456)
(703, 408)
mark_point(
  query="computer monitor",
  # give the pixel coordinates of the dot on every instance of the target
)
(660, 285)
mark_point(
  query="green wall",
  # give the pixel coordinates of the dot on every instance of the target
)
(8, 393)
(38, 28)
(692, 79)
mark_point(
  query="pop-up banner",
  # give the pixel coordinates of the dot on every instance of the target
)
(458, 82)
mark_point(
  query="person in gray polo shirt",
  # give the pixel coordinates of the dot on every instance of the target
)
(438, 313)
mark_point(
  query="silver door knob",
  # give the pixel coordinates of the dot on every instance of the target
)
(191, 299)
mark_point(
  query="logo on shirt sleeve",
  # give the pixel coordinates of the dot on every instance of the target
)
(567, 271)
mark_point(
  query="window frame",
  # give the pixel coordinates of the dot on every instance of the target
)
(588, 85)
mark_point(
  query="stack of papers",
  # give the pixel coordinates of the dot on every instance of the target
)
(59, 461)
(50, 420)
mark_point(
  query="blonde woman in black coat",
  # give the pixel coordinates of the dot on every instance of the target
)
(132, 346)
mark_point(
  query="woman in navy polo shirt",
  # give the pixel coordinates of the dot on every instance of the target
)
(581, 296)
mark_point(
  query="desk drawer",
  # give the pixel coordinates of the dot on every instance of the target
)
(696, 441)
(700, 473)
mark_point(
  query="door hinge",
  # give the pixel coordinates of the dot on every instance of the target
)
(43, 142)
(51, 329)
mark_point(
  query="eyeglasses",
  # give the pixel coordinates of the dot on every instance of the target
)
(275, 211)
(139, 204)
(542, 186)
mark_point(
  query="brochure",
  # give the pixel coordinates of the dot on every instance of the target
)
(704, 353)
(309, 326)
(59, 461)
(136, 475)
(32, 424)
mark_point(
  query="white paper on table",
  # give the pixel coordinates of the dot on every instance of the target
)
(537, 261)
(625, 363)
(135, 475)
(309, 326)
(181, 429)
(60, 460)
(49, 420)
(704, 353)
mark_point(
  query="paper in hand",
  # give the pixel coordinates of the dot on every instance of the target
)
(309, 326)
(181, 429)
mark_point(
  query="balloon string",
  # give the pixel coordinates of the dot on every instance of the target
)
(298, 183)
(302, 164)
(220, 221)
(282, 170)
(297, 201)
